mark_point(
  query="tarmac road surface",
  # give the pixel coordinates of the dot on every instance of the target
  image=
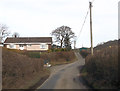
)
(65, 76)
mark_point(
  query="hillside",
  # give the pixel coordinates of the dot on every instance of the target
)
(106, 44)
(22, 69)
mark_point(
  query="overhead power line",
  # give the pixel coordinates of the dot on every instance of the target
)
(83, 24)
(84, 21)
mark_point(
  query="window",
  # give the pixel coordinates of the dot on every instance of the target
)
(43, 46)
(11, 46)
(29, 45)
(20, 45)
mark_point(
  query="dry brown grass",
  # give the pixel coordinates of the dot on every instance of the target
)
(57, 58)
(20, 71)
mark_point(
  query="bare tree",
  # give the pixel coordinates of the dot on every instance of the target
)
(63, 35)
(67, 42)
(15, 34)
(3, 32)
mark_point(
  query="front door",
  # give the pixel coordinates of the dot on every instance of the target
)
(21, 47)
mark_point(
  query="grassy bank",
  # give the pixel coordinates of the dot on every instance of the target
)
(57, 58)
(101, 69)
(20, 71)
(23, 70)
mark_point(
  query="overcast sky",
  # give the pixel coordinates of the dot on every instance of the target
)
(37, 18)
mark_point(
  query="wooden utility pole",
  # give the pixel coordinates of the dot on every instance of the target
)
(74, 44)
(91, 27)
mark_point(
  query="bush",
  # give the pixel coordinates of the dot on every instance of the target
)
(102, 68)
(34, 54)
(59, 57)
(59, 49)
(84, 53)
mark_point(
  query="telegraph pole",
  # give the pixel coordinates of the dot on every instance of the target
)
(90, 3)
(74, 44)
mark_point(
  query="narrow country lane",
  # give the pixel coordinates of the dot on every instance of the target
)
(65, 76)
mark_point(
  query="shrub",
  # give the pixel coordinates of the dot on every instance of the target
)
(84, 53)
(34, 54)
(59, 49)
(59, 57)
(102, 68)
